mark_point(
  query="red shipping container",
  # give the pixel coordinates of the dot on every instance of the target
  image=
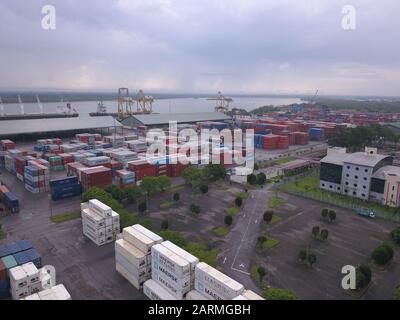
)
(96, 177)
(2, 271)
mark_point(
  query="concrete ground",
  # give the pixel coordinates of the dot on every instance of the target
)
(87, 271)
(351, 241)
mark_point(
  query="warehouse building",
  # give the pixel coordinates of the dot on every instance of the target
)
(162, 120)
(364, 175)
(29, 130)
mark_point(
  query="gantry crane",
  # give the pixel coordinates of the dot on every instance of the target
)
(2, 113)
(222, 102)
(144, 104)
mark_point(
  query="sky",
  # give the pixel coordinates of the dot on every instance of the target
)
(202, 46)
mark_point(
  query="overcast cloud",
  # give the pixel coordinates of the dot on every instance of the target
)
(237, 46)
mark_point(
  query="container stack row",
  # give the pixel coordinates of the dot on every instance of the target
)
(99, 222)
(133, 254)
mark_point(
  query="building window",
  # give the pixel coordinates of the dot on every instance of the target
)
(354, 193)
(355, 177)
(357, 169)
(365, 179)
(330, 187)
(355, 185)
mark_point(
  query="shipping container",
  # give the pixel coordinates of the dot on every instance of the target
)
(138, 239)
(165, 260)
(155, 291)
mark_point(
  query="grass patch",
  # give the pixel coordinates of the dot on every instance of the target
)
(269, 244)
(284, 160)
(232, 211)
(201, 251)
(308, 187)
(166, 204)
(274, 202)
(195, 195)
(221, 231)
(60, 218)
(176, 189)
(278, 294)
(242, 194)
(174, 236)
(254, 274)
(275, 219)
(2, 234)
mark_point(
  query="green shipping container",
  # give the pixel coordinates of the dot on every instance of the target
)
(9, 262)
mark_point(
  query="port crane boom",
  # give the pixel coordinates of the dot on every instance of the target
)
(222, 102)
(21, 106)
(1, 108)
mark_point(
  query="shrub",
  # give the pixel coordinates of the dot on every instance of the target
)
(204, 189)
(268, 215)
(251, 179)
(228, 220)
(395, 236)
(142, 207)
(176, 196)
(324, 213)
(238, 201)
(164, 224)
(382, 254)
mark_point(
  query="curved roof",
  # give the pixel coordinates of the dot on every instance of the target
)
(364, 159)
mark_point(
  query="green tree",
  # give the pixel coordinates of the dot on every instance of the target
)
(238, 201)
(228, 220)
(361, 280)
(367, 273)
(173, 236)
(133, 194)
(261, 273)
(324, 234)
(204, 189)
(164, 224)
(176, 196)
(395, 235)
(315, 231)
(163, 182)
(382, 255)
(193, 175)
(261, 178)
(261, 240)
(115, 192)
(251, 179)
(215, 172)
(332, 215)
(149, 185)
(268, 215)
(142, 207)
(324, 213)
(278, 294)
(312, 258)
(303, 255)
(194, 208)
(396, 294)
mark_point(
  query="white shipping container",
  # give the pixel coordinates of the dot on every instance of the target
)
(155, 237)
(208, 292)
(195, 295)
(19, 293)
(34, 296)
(46, 295)
(251, 295)
(131, 253)
(96, 232)
(183, 254)
(177, 290)
(100, 208)
(170, 261)
(133, 281)
(97, 240)
(143, 273)
(91, 217)
(220, 282)
(32, 273)
(138, 239)
(239, 298)
(34, 288)
(84, 205)
(60, 292)
(154, 291)
(18, 277)
(115, 218)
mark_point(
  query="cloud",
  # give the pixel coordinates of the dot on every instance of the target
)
(258, 46)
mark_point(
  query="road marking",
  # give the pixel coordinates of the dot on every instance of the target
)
(241, 265)
(224, 261)
(238, 270)
(256, 221)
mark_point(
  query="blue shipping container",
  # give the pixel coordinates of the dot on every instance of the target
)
(13, 248)
(34, 257)
(4, 251)
(21, 258)
(24, 245)
(64, 181)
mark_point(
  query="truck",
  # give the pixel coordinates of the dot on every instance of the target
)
(364, 212)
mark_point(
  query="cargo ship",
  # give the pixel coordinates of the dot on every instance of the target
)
(63, 111)
(102, 111)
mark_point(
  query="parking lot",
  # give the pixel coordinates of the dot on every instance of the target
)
(351, 242)
(86, 270)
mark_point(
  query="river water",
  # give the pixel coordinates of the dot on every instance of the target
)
(176, 105)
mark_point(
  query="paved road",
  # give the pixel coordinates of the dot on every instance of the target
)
(240, 245)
